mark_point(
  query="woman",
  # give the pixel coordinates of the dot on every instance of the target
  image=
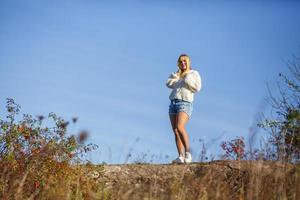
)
(184, 84)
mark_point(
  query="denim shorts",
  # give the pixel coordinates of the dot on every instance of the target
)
(178, 105)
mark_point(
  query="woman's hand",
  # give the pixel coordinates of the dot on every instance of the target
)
(184, 73)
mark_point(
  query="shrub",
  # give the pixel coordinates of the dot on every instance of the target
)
(36, 160)
(284, 128)
(234, 149)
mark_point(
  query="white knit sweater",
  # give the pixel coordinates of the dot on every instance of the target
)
(184, 88)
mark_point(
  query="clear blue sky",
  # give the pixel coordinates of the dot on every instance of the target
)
(106, 62)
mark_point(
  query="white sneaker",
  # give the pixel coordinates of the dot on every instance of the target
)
(188, 157)
(178, 160)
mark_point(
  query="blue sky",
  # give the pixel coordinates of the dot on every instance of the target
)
(106, 62)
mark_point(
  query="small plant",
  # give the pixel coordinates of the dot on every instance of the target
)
(234, 149)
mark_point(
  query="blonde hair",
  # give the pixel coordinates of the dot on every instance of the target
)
(181, 73)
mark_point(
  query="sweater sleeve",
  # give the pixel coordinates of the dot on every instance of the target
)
(172, 80)
(193, 81)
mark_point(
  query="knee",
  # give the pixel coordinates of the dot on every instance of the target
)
(175, 130)
(180, 128)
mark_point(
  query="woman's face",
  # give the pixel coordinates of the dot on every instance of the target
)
(184, 63)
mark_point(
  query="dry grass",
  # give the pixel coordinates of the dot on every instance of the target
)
(215, 180)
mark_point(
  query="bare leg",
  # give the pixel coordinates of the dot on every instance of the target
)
(179, 144)
(182, 119)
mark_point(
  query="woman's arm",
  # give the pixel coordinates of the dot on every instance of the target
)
(173, 78)
(193, 81)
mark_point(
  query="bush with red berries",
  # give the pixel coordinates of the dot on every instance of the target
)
(234, 149)
(36, 160)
